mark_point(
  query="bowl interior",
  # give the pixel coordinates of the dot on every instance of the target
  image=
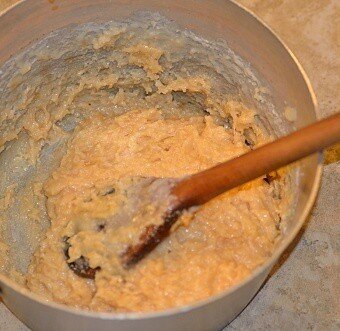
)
(273, 66)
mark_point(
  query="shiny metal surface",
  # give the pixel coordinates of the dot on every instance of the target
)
(30, 20)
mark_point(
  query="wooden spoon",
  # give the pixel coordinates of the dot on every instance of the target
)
(199, 188)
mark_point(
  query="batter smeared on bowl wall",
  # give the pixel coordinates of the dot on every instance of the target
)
(118, 104)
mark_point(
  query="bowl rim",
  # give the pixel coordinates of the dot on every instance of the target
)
(4, 280)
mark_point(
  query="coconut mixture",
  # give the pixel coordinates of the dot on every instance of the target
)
(116, 106)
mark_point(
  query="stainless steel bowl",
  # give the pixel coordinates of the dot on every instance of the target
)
(30, 20)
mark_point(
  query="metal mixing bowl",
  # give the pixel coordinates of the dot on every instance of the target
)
(30, 20)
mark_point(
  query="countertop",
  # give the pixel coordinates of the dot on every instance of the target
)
(303, 289)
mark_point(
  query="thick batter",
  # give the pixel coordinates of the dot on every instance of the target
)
(133, 105)
(226, 239)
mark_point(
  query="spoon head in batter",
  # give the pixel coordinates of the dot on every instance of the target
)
(144, 216)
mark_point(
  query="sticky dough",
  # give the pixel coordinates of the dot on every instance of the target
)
(150, 105)
(226, 239)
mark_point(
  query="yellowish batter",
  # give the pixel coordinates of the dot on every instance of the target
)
(222, 244)
(133, 105)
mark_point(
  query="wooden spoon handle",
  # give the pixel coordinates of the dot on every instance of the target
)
(201, 187)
